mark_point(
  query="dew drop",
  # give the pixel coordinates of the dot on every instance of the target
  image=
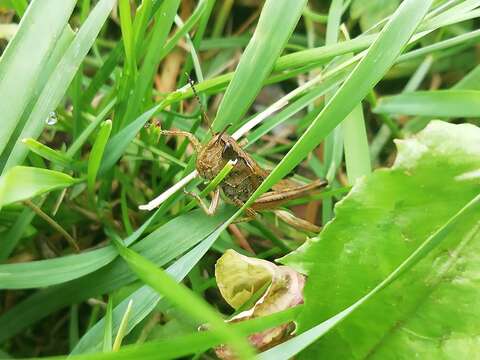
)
(52, 118)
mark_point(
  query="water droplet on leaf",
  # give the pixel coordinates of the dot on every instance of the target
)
(52, 118)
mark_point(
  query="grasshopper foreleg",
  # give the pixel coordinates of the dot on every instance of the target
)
(209, 210)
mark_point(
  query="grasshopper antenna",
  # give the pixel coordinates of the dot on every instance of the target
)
(202, 108)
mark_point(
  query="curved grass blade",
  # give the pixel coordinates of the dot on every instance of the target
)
(42, 273)
(48, 153)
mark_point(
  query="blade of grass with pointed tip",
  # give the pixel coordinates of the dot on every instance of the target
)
(122, 328)
(96, 154)
(25, 57)
(61, 78)
(23, 182)
(277, 22)
(107, 332)
(48, 153)
(82, 138)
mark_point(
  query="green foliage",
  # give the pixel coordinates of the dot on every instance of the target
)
(85, 87)
(385, 219)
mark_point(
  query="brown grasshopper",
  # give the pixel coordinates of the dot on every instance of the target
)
(245, 177)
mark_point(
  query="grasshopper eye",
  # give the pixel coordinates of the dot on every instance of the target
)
(228, 153)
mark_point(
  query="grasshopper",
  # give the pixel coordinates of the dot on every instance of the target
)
(245, 177)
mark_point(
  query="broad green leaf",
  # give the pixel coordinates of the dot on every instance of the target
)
(277, 22)
(300, 342)
(60, 78)
(184, 298)
(25, 57)
(439, 103)
(23, 182)
(161, 246)
(386, 218)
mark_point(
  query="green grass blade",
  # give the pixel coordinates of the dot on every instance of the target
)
(277, 22)
(96, 154)
(122, 328)
(140, 22)
(48, 153)
(107, 332)
(25, 57)
(22, 183)
(82, 138)
(183, 298)
(333, 145)
(440, 103)
(127, 33)
(357, 154)
(49, 272)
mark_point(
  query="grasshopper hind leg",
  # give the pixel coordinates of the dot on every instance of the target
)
(250, 214)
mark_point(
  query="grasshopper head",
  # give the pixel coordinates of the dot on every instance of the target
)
(215, 154)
